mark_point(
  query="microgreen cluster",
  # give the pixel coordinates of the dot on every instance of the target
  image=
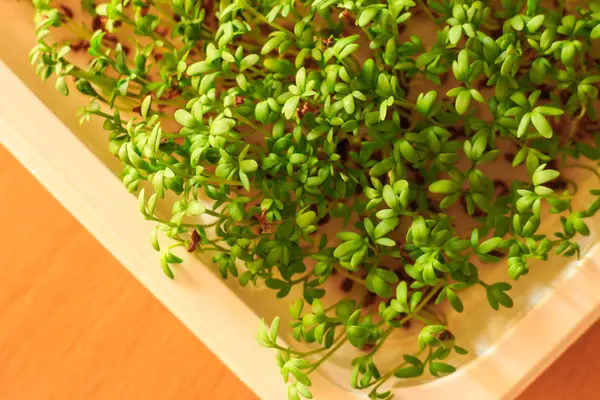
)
(274, 123)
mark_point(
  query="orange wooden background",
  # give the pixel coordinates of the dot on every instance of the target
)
(76, 325)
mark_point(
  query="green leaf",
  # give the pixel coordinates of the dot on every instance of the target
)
(248, 166)
(248, 61)
(419, 230)
(61, 86)
(349, 104)
(440, 369)
(425, 102)
(535, 23)
(489, 245)
(444, 186)
(347, 248)
(595, 34)
(386, 226)
(546, 110)
(306, 219)
(146, 106)
(347, 51)
(567, 54)
(195, 208)
(412, 371)
(290, 106)
(408, 152)
(463, 101)
(496, 295)
(366, 16)
(415, 300)
(428, 335)
(454, 301)
(165, 266)
(154, 238)
(542, 176)
(523, 125)
(274, 330)
(184, 118)
(516, 267)
(236, 210)
(455, 34)
(541, 125)
(402, 293)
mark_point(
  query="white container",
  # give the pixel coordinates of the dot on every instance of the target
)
(554, 304)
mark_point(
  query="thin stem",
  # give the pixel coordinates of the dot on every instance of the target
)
(391, 373)
(306, 353)
(262, 18)
(388, 332)
(246, 121)
(343, 272)
(423, 319)
(329, 354)
(302, 279)
(426, 10)
(583, 166)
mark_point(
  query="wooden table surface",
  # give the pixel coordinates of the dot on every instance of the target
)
(75, 325)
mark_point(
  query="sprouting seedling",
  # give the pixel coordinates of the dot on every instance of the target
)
(296, 120)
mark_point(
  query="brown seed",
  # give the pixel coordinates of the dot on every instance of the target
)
(480, 84)
(445, 335)
(98, 23)
(497, 253)
(369, 299)
(377, 155)
(557, 184)
(195, 239)
(239, 100)
(66, 11)
(413, 206)
(347, 285)
(328, 41)
(80, 45)
(401, 29)
(368, 347)
(195, 236)
(265, 226)
(359, 189)
(111, 38)
(343, 149)
(418, 179)
(144, 11)
(171, 94)
(458, 133)
(405, 123)
(400, 273)
(500, 188)
(326, 218)
(305, 108)
(164, 32)
(433, 205)
(137, 109)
